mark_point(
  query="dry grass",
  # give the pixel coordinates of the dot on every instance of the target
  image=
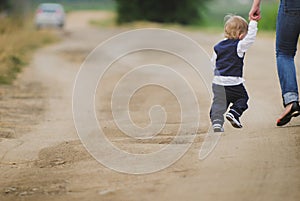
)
(17, 42)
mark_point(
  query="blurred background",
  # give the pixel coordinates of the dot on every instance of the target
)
(19, 35)
(186, 12)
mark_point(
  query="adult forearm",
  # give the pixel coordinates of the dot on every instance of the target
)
(256, 3)
(254, 13)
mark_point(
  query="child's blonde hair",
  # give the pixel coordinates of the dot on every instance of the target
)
(235, 26)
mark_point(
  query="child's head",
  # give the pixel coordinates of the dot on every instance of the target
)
(235, 27)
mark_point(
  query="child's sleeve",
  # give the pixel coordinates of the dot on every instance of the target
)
(213, 60)
(245, 44)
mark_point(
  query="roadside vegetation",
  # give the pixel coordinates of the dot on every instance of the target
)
(18, 37)
(214, 12)
(211, 15)
(73, 5)
(162, 11)
(18, 40)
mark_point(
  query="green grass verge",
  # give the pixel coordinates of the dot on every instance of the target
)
(69, 7)
(212, 16)
(75, 5)
(215, 11)
(269, 15)
(17, 43)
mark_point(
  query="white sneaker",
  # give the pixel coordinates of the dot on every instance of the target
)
(218, 128)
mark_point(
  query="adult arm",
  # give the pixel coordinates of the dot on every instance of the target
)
(254, 13)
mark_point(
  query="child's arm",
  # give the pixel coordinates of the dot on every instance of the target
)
(245, 44)
(213, 60)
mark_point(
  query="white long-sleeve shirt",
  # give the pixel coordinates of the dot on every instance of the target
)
(242, 47)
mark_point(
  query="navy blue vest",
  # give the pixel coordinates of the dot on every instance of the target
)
(228, 63)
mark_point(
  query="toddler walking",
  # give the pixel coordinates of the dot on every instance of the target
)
(228, 62)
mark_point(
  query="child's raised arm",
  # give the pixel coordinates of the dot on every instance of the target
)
(249, 39)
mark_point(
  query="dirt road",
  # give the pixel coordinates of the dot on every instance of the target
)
(42, 157)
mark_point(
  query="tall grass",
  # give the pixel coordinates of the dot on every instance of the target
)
(269, 15)
(106, 6)
(17, 43)
(212, 15)
(214, 12)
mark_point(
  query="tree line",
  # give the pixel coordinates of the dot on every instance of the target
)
(164, 11)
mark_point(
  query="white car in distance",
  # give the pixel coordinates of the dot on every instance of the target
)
(50, 14)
